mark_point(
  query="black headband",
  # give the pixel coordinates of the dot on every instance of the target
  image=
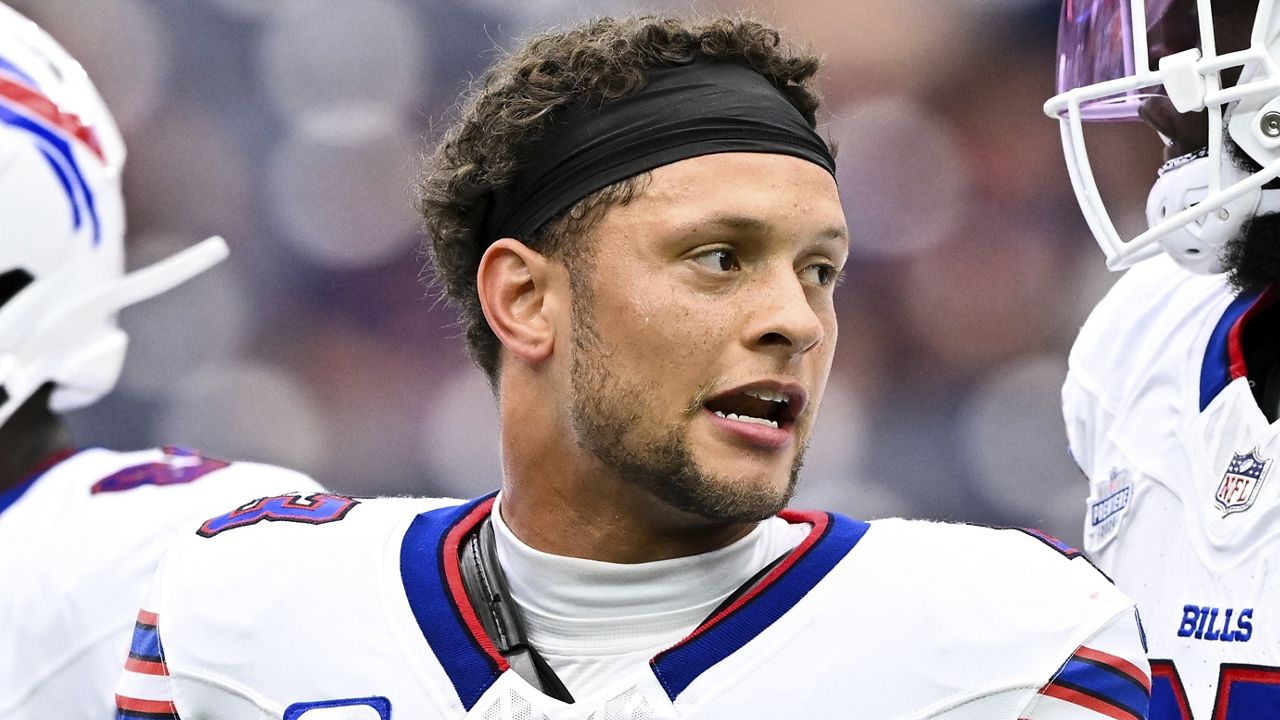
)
(684, 111)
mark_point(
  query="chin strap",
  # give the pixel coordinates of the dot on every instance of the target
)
(1184, 183)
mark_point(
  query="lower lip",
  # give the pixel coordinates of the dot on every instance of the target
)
(761, 436)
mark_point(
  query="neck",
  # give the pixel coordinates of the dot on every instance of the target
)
(560, 499)
(31, 436)
(561, 514)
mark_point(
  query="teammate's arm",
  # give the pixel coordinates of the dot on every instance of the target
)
(150, 688)
(1106, 678)
(1084, 415)
(145, 689)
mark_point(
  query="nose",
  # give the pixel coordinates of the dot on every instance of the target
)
(1184, 132)
(783, 321)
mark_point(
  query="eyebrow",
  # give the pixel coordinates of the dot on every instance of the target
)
(753, 225)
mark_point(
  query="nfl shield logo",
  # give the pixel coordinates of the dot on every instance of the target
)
(1241, 482)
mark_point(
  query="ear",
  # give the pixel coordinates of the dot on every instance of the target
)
(513, 282)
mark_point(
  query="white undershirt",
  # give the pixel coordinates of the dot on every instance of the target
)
(592, 620)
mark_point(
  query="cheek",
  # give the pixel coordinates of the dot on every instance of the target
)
(658, 330)
(658, 335)
(675, 336)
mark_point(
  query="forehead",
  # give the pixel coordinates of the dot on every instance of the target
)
(774, 189)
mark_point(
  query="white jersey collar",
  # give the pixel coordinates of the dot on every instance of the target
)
(579, 606)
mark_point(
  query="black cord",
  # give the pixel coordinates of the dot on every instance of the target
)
(486, 587)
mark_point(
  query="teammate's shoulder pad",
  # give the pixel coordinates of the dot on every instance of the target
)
(999, 562)
(1129, 330)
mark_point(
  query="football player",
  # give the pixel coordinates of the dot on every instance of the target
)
(640, 229)
(82, 528)
(1173, 391)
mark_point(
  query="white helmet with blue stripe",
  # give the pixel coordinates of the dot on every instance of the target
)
(62, 277)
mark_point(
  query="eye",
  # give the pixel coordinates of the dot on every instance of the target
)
(720, 260)
(821, 274)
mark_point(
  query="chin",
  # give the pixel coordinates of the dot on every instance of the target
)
(746, 488)
(752, 474)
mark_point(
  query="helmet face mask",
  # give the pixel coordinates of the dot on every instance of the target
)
(62, 228)
(1150, 60)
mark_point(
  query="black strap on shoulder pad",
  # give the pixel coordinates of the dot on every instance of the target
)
(486, 587)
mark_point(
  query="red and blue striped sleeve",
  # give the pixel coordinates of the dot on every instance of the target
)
(1106, 678)
(144, 691)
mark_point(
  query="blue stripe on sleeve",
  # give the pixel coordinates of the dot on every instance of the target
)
(146, 643)
(1104, 682)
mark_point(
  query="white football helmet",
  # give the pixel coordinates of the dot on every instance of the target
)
(62, 275)
(1105, 72)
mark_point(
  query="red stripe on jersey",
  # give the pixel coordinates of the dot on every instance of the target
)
(1235, 349)
(1098, 705)
(42, 107)
(146, 667)
(148, 618)
(820, 520)
(145, 706)
(453, 578)
(1116, 662)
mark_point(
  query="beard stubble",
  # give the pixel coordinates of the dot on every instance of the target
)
(613, 424)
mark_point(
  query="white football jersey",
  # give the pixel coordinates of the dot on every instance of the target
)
(332, 608)
(80, 543)
(1182, 511)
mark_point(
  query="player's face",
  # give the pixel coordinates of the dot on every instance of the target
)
(1252, 258)
(1232, 26)
(704, 329)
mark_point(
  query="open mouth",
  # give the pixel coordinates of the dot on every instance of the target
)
(756, 405)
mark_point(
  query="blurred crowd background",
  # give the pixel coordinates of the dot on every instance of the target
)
(294, 128)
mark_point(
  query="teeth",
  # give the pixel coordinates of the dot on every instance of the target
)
(748, 419)
(769, 395)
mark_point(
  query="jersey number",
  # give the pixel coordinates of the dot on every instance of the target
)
(178, 466)
(1245, 692)
(314, 509)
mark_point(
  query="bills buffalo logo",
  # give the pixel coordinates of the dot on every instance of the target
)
(1241, 482)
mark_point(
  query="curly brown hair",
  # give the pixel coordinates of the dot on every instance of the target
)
(511, 106)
